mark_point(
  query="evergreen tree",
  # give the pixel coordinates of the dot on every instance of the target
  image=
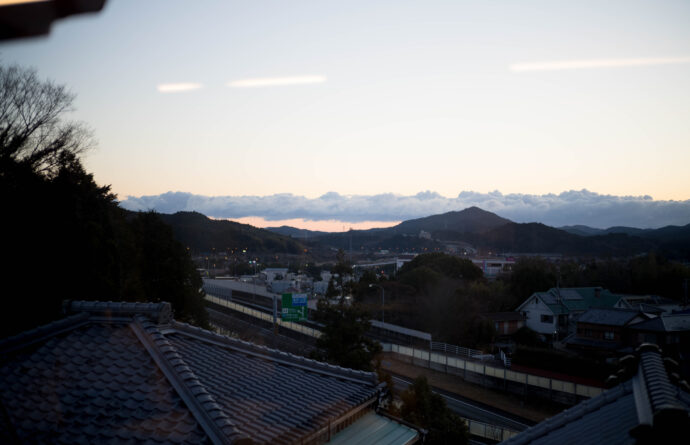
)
(64, 235)
(343, 339)
(428, 409)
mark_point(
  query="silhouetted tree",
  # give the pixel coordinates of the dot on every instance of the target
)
(166, 271)
(343, 340)
(428, 409)
(33, 131)
(341, 269)
(532, 275)
(64, 236)
(444, 264)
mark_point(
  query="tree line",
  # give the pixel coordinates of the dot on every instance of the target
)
(64, 236)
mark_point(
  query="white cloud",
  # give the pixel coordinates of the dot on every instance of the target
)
(567, 208)
(275, 81)
(177, 87)
(596, 63)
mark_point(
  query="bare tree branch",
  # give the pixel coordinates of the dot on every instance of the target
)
(32, 128)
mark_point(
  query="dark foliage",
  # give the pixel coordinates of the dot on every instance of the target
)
(440, 294)
(421, 406)
(343, 340)
(561, 362)
(532, 275)
(434, 265)
(527, 337)
(64, 237)
(646, 274)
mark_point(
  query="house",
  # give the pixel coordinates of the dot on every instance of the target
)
(652, 304)
(648, 405)
(506, 323)
(666, 330)
(129, 373)
(671, 332)
(493, 267)
(604, 329)
(554, 312)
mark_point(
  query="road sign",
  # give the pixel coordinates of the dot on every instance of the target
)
(299, 300)
(294, 307)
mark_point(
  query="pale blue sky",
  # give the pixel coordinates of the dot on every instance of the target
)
(417, 95)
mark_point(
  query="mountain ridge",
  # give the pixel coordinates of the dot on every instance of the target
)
(472, 226)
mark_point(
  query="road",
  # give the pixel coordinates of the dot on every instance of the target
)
(472, 410)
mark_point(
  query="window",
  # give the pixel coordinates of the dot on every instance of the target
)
(547, 319)
(608, 335)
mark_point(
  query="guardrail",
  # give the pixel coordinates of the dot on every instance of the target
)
(488, 431)
(427, 359)
(456, 350)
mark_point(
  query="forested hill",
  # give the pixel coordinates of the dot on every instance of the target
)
(448, 226)
(488, 231)
(469, 220)
(295, 232)
(539, 238)
(201, 233)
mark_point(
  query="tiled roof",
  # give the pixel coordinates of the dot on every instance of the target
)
(574, 340)
(93, 385)
(608, 316)
(647, 406)
(577, 299)
(281, 400)
(665, 323)
(115, 372)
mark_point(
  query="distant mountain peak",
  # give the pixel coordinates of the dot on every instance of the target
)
(469, 220)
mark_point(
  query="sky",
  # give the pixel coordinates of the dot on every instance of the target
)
(262, 99)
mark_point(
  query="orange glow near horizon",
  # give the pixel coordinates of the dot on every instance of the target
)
(330, 225)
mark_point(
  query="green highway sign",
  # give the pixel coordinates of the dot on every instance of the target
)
(294, 307)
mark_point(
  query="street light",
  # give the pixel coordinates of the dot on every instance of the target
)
(383, 301)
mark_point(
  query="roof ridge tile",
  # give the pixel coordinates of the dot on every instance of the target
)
(315, 365)
(659, 388)
(160, 313)
(42, 332)
(203, 402)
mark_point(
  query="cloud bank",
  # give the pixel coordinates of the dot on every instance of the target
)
(567, 208)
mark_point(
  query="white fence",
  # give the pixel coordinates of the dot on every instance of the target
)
(461, 365)
(488, 431)
(456, 350)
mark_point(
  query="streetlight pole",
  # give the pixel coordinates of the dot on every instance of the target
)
(383, 302)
